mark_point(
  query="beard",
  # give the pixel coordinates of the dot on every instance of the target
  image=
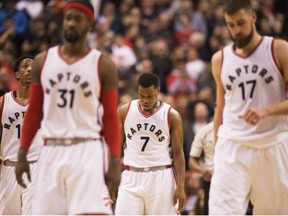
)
(71, 36)
(240, 43)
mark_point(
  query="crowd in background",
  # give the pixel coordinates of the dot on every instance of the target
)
(174, 39)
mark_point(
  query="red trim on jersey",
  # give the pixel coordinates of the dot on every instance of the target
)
(33, 116)
(98, 69)
(1, 111)
(149, 115)
(104, 164)
(273, 57)
(245, 57)
(111, 122)
(221, 66)
(45, 57)
(168, 117)
(74, 61)
(98, 74)
(127, 111)
(17, 101)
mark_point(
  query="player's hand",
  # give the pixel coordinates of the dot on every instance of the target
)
(207, 175)
(179, 195)
(254, 115)
(112, 177)
(22, 167)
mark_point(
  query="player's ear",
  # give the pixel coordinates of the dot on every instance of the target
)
(17, 75)
(254, 16)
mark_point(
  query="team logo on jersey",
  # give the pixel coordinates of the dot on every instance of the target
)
(146, 127)
(248, 69)
(68, 77)
(12, 119)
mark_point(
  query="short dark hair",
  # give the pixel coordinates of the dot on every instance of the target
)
(19, 60)
(149, 79)
(87, 3)
(233, 6)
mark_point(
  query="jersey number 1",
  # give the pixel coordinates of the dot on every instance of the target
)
(18, 126)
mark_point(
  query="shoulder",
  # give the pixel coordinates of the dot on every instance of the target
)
(174, 115)
(279, 46)
(217, 57)
(207, 128)
(40, 58)
(2, 101)
(107, 73)
(123, 109)
(280, 51)
(106, 62)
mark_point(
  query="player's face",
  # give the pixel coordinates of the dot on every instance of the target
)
(75, 25)
(24, 74)
(241, 27)
(148, 97)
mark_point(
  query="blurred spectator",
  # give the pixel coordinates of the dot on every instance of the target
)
(148, 11)
(32, 7)
(194, 66)
(19, 18)
(141, 48)
(197, 40)
(162, 64)
(4, 80)
(179, 82)
(182, 35)
(109, 12)
(102, 37)
(8, 33)
(123, 56)
(196, 18)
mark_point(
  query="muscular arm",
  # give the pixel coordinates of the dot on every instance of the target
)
(220, 92)
(281, 53)
(1, 110)
(122, 113)
(176, 133)
(109, 97)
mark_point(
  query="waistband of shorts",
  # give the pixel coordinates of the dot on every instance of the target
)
(13, 163)
(147, 169)
(67, 141)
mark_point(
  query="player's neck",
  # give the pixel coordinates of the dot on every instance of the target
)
(22, 94)
(73, 51)
(153, 109)
(247, 50)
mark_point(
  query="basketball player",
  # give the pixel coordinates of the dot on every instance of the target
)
(13, 198)
(251, 124)
(151, 129)
(73, 87)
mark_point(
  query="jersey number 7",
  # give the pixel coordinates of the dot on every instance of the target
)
(146, 138)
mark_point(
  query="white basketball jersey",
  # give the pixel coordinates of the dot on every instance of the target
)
(12, 121)
(147, 137)
(254, 81)
(71, 96)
